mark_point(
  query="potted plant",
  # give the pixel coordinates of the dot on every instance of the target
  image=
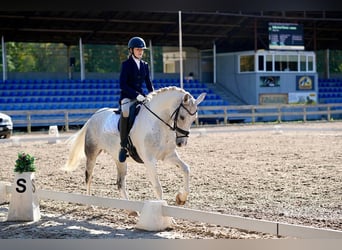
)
(24, 163)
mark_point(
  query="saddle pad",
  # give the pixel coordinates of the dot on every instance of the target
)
(111, 124)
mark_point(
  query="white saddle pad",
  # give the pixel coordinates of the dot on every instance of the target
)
(111, 124)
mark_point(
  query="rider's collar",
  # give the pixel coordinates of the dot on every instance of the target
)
(137, 61)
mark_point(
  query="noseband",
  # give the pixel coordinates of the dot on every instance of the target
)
(175, 114)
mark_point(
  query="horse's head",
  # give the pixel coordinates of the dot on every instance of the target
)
(185, 115)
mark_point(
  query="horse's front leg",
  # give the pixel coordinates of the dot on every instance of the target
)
(183, 193)
(121, 183)
(151, 170)
(121, 179)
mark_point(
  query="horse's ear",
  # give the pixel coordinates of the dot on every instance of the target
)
(200, 98)
(186, 98)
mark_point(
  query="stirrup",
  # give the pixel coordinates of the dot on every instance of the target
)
(122, 155)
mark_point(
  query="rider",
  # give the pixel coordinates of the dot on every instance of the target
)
(134, 72)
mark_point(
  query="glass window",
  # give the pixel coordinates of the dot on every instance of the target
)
(302, 63)
(292, 63)
(310, 63)
(269, 64)
(286, 63)
(261, 59)
(247, 63)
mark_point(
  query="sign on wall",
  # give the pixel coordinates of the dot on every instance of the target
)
(265, 99)
(305, 83)
(302, 98)
(269, 81)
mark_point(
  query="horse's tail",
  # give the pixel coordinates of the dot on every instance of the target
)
(77, 149)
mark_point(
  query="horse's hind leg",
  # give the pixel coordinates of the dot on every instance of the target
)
(90, 164)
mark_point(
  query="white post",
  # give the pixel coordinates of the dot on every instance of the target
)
(151, 217)
(214, 61)
(68, 63)
(327, 61)
(151, 60)
(81, 60)
(4, 61)
(180, 50)
(3, 192)
(24, 204)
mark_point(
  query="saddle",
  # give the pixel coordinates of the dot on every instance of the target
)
(133, 112)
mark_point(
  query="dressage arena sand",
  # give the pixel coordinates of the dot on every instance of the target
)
(291, 172)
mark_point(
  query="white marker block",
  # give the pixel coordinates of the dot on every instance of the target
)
(24, 204)
(53, 132)
(151, 217)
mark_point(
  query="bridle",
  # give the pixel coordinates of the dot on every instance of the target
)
(175, 114)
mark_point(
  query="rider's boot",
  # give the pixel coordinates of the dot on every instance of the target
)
(123, 138)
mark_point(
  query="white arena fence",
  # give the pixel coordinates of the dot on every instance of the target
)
(224, 114)
(249, 224)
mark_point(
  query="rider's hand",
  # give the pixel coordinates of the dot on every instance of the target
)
(140, 98)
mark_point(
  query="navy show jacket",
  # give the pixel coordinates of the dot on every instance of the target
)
(132, 79)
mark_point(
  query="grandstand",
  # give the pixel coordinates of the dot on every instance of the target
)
(330, 90)
(90, 94)
(233, 71)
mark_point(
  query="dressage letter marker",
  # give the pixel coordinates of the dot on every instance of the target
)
(24, 205)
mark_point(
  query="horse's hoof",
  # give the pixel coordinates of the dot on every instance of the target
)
(179, 201)
(133, 214)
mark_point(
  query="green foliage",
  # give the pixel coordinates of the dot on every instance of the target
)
(335, 61)
(24, 163)
(54, 57)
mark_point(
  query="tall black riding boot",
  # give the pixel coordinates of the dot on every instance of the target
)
(123, 138)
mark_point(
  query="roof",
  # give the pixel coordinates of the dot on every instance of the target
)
(231, 31)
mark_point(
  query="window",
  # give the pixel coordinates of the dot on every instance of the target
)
(279, 61)
(302, 63)
(292, 63)
(269, 63)
(261, 60)
(310, 63)
(247, 63)
(286, 63)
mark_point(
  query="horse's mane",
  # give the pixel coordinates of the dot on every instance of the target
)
(166, 89)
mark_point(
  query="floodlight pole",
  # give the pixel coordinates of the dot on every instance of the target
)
(151, 60)
(4, 61)
(180, 50)
(214, 61)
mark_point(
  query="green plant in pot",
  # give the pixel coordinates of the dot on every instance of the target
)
(24, 163)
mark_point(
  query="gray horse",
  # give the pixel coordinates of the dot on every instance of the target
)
(162, 124)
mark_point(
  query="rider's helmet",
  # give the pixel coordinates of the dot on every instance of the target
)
(136, 42)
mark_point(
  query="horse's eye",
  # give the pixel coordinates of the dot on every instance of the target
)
(182, 117)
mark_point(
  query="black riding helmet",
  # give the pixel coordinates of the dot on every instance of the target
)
(136, 42)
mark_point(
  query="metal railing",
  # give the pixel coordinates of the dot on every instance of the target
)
(281, 112)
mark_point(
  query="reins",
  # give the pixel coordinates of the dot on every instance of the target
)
(175, 113)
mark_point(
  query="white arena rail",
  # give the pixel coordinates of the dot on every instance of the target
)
(275, 228)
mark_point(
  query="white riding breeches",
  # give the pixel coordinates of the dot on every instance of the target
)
(126, 103)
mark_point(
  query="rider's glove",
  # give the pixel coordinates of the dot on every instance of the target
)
(140, 98)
